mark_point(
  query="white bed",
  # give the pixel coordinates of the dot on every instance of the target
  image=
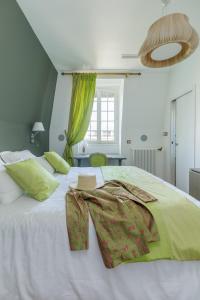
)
(36, 263)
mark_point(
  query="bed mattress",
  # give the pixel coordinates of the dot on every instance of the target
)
(36, 262)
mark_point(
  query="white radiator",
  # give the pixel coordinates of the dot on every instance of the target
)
(145, 159)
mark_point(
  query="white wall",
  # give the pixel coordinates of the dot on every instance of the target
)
(182, 78)
(144, 103)
(184, 75)
(60, 113)
(143, 113)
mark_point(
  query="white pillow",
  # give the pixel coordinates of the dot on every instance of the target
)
(45, 164)
(10, 157)
(9, 190)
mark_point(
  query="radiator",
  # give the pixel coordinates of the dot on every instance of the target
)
(145, 159)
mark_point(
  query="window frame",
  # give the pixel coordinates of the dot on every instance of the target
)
(98, 94)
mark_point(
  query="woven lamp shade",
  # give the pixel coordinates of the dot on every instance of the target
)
(169, 32)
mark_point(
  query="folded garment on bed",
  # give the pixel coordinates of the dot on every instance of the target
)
(123, 224)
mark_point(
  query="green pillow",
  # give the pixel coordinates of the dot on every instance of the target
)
(57, 162)
(33, 178)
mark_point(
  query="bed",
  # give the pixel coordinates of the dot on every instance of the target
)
(36, 262)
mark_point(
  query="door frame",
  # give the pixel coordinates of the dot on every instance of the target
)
(173, 131)
(173, 141)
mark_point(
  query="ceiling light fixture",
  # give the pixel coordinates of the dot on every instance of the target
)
(170, 40)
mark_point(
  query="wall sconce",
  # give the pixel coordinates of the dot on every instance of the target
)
(37, 127)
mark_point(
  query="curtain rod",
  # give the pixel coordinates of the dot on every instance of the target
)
(106, 74)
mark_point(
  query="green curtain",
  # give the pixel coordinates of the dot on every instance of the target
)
(83, 92)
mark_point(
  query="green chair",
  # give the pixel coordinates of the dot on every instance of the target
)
(98, 159)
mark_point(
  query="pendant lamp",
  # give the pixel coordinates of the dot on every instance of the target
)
(170, 40)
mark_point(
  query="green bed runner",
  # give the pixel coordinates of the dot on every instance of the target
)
(178, 219)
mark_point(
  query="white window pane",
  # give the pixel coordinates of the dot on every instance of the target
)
(103, 99)
(111, 99)
(110, 116)
(93, 125)
(93, 138)
(104, 135)
(104, 138)
(104, 106)
(104, 116)
(111, 126)
(87, 135)
(93, 133)
(110, 133)
(104, 132)
(95, 106)
(110, 106)
(104, 126)
(94, 116)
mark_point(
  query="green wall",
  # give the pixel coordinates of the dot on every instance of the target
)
(27, 82)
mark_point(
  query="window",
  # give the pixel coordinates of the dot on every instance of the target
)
(104, 132)
(104, 124)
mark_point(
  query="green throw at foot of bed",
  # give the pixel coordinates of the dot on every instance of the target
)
(177, 218)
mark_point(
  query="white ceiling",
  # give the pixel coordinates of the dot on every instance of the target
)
(92, 34)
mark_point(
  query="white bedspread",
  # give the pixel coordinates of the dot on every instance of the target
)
(36, 263)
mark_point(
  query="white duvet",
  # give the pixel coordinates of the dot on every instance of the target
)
(36, 263)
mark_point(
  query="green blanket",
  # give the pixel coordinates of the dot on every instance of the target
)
(177, 218)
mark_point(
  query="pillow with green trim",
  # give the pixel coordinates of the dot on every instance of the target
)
(33, 178)
(57, 162)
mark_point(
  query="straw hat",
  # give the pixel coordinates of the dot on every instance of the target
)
(86, 182)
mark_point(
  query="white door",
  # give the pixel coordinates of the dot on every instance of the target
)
(185, 139)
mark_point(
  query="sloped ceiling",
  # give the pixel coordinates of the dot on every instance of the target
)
(90, 34)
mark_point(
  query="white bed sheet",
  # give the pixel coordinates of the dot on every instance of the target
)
(36, 263)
